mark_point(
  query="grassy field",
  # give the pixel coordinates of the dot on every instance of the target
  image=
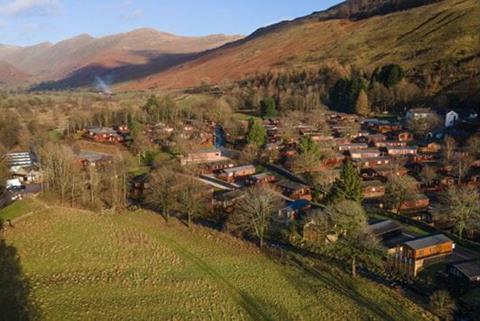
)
(20, 208)
(75, 265)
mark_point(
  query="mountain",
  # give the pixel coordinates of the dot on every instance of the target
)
(428, 38)
(9, 75)
(48, 61)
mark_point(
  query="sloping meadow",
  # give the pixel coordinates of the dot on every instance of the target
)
(83, 266)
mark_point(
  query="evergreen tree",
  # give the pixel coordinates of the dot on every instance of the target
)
(308, 146)
(362, 106)
(268, 107)
(344, 95)
(390, 75)
(256, 133)
(348, 186)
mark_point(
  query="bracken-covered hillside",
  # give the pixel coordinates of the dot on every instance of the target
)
(437, 41)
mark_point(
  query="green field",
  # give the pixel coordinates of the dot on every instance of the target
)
(20, 208)
(76, 265)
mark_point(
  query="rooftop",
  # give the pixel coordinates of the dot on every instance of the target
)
(384, 227)
(239, 168)
(471, 268)
(427, 241)
(291, 185)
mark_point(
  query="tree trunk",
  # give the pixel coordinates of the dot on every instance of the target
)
(189, 221)
(354, 267)
(261, 242)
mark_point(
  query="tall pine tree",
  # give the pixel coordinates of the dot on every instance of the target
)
(348, 186)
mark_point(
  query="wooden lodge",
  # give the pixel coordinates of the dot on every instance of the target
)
(235, 173)
(401, 151)
(93, 159)
(465, 274)
(295, 191)
(364, 153)
(373, 189)
(412, 256)
(352, 146)
(204, 155)
(261, 179)
(104, 135)
(418, 203)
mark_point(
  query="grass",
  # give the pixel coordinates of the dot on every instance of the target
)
(19, 208)
(84, 266)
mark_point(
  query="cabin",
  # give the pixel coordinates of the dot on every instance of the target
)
(226, 201)
(104, 135)
(390, 143)
(387, 171)
(386, 229)
(204, 155)
(295, 191)
(28, 174)
(375, 138)
(466, 273)
(261, 179)
(373, 189)
(418, 203)
(364, 153)
(292, 211)
(386, 127)
(419, 113)
(429, 148)
(234, 173)
(352, 146)
(93, 159)
(374, 162)
(401, 136)
(414, 255)
(401, 151)
(122, 129)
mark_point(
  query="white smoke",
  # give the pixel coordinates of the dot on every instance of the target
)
(103, 85)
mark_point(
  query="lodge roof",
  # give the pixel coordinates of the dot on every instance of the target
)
(428, 241)
(471, 269)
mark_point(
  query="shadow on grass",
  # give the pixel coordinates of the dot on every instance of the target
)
(15, 303)
(349, 289)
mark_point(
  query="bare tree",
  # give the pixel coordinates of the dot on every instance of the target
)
(58, 162)
(355, 243)
(442, 304)
(161, 195)
(462, 206)
(449, 149)
(254, 213)
(399, 190)
(428, 175)
(191, 199)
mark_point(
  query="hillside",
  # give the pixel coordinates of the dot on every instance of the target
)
(438, 40)
(48, 61)
(76, 265)
(9, 75)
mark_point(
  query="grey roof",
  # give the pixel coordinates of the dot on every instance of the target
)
(93, 157)
(384, 227)
(239, 168)
(102, 130)
(427, 241)
(471, 269)
(230, 195)
(291, 185)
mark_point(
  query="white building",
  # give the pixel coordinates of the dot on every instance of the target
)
(451, 118)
